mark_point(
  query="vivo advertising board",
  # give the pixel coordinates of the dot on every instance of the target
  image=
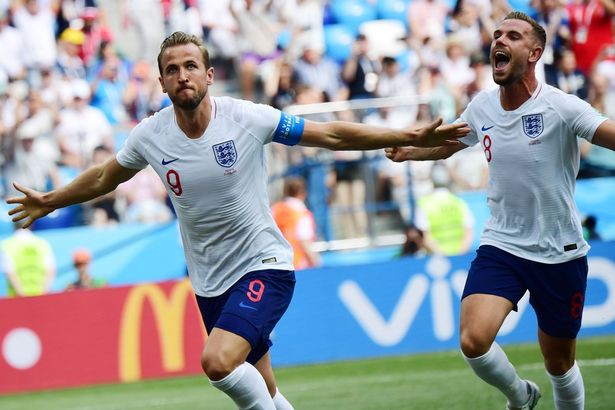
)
(410, 305)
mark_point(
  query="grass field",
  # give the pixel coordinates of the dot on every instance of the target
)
(428, 381)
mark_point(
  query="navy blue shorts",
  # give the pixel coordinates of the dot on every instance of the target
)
(557, 291)
(251, 308)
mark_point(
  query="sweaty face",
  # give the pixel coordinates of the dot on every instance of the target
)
(512, 48)
(184, 76)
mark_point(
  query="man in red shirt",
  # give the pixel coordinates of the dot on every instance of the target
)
(591, 29)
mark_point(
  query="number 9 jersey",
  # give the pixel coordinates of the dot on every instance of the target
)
(218, 186)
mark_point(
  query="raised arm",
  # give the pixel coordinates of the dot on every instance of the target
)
(341, 135)
(94, 182)
(401, 154)
(605, 135)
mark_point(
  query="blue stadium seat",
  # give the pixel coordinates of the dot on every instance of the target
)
(60, 218)
(393, 10)
(328, 17)
(521, 5)
(351, 13)
(338, 42)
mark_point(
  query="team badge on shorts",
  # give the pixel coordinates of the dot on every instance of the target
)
(226, 154)
(532, 125)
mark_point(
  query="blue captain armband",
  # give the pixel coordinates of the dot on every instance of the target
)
(289, 130)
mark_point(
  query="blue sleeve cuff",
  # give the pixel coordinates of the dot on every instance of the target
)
(289, 130)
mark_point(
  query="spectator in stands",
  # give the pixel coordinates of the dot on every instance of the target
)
(482, 78)
(28, 161)
(102, 211)
(142, 95)
(600, 96)
(597, 161)
(444, 217)
(589, 229)
(29, 264)
(220, 30)
(259, 51)
(360, 71)
(455, 67)
(315, 70)
(426, 19)
(146, 16)
(304, 20)
(35, 21)
(69, 63)
(82, 261)
(442, 102)
(70, 12)
(46, 116)
(297, 223)
(82, 128)
(552, 15)
(468, 170)
(108, 91)
(567, 77)
(285, 93)
(54, 91)
(95, 33)
(414, 242)
(591, 26)
(12, 55)
(145, 198)
(393, 82)
(465, 25)
(605, 68)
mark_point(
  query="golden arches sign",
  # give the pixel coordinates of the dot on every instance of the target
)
(169, 316)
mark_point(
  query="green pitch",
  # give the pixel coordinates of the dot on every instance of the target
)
(427, 381)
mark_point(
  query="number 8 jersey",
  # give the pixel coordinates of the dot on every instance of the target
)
(218, 186)
(533, 158)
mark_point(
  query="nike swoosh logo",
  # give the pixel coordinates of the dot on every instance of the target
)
(243, 305)
(483, 128)
(168, 162)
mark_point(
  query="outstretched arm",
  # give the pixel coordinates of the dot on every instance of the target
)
(341, 135)
(401, 154)
(94, 182)
(605, 135)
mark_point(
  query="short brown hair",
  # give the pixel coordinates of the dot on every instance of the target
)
(539, 32)
(294, 186)
(179, 38)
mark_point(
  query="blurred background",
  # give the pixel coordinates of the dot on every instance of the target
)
(77, 75)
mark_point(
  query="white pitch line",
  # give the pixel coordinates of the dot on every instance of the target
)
(164, 403)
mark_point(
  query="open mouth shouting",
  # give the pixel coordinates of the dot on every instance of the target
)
(501, 59)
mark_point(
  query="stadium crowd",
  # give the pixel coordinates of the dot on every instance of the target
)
(70, 90)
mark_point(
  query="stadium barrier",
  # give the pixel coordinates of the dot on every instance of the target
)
(125, 334)
(130, 254)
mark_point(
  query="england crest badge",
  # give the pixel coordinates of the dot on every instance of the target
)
(532, 125)
(226, 154)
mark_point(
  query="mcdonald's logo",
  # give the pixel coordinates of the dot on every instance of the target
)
(169, 316)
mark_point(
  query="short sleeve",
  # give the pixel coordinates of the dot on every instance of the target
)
(130, 155)
(472, 138)
(271, 124)
(581, 117)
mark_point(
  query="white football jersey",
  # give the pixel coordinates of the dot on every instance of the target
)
(533, 159)
(218, 186)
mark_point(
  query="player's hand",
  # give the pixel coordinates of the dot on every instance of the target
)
(437, 135)
(30, 206)
(398, 154)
